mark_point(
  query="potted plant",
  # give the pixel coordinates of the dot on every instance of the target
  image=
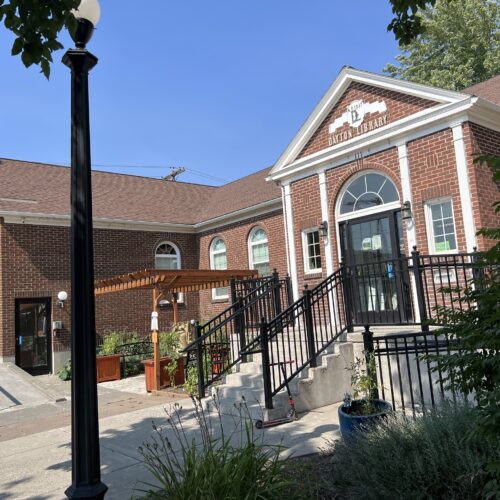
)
(107, 361)
(366, 409)
(171, 363)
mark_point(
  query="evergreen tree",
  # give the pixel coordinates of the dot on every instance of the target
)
(459, 45)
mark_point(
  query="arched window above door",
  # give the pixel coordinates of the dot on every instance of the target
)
(368, 190)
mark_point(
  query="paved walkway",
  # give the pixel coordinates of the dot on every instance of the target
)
(37, 462)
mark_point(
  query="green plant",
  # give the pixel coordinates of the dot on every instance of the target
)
(473, 325)
(112, 340)
(364, 384)
(429, 457)
(212, 463)
(65, 372)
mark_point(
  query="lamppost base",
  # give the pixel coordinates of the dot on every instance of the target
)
(94, 492)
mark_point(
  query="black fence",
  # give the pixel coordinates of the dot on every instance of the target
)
(219, 343)
(408, 290)
(402, 291)
(409, 374)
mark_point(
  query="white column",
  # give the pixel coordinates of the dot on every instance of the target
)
(325, 216)
(291, 241)
(464, 187)
(404, 173)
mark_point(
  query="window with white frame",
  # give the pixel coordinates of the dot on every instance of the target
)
(312, 250)
(168, 256)
(441, 226)
(258, 251)
(218, 261)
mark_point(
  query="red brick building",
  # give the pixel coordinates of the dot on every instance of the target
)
(380, 165)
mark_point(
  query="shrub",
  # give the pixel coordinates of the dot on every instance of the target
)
(65, 372)
(429, 457)
(212, 468)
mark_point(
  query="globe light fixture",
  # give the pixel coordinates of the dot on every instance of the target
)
(62, 297)
(85, 454)
(87, 16)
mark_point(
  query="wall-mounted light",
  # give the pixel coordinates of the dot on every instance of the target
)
(62, 296)
(164, 303)
(406, 211)
(323, 229)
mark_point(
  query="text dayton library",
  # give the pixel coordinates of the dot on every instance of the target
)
(379, 167)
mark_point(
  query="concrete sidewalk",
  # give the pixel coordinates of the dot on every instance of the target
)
(39, 465)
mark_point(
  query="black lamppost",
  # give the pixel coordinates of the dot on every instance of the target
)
(85, 461)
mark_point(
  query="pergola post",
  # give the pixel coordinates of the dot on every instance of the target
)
(175, 308)
(155, 337)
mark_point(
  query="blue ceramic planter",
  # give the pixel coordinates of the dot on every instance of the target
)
(351, 425)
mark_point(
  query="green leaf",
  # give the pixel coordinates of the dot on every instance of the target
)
(26, 58)
(45, 68)
(17, 47)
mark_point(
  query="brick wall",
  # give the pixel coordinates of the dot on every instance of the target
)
(2, 278)
(433, 174)
(236, 238)
(306, 206)
(398, 106)
(35, 262)
(484, 192)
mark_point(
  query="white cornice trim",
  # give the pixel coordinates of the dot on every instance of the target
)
(41, 219)
(410, 128)
(240, 215)
(345, 78)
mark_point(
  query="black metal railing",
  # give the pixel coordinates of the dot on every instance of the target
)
(408, 290)
(218, 343)
(295, 338)
(269, 305)
(409, 374)
(132, 355)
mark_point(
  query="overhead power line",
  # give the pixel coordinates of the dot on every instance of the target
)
(195, 173)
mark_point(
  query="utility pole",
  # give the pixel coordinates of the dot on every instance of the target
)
(174, 173)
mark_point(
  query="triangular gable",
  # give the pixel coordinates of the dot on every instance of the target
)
(356, 103)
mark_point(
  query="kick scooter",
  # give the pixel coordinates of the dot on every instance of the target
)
(292, 412)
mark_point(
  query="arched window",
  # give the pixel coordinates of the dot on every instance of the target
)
(167, 256)
(218, 261)
(366, 191)
(258, 251)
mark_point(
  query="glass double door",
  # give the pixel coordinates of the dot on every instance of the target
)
(33, 336)
(378, 283)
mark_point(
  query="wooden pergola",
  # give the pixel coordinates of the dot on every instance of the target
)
(167, 283)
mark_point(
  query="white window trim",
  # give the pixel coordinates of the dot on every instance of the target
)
(429, 226)
(250, 244)
(180, 295)
(365, 211)
(212, 253)
(305, 251)
(176, 248)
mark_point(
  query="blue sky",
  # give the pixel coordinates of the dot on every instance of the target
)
(218, 87)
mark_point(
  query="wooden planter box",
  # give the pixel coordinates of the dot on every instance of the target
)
(108, 368)
(149, 371)
(220, 358)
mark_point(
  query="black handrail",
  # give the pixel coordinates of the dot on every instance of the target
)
(217, 345)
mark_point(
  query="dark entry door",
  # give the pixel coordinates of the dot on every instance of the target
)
(33, 336)
(379, 282)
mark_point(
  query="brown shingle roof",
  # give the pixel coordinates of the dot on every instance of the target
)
(40, 188)
(489, 90)
(242, 193)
